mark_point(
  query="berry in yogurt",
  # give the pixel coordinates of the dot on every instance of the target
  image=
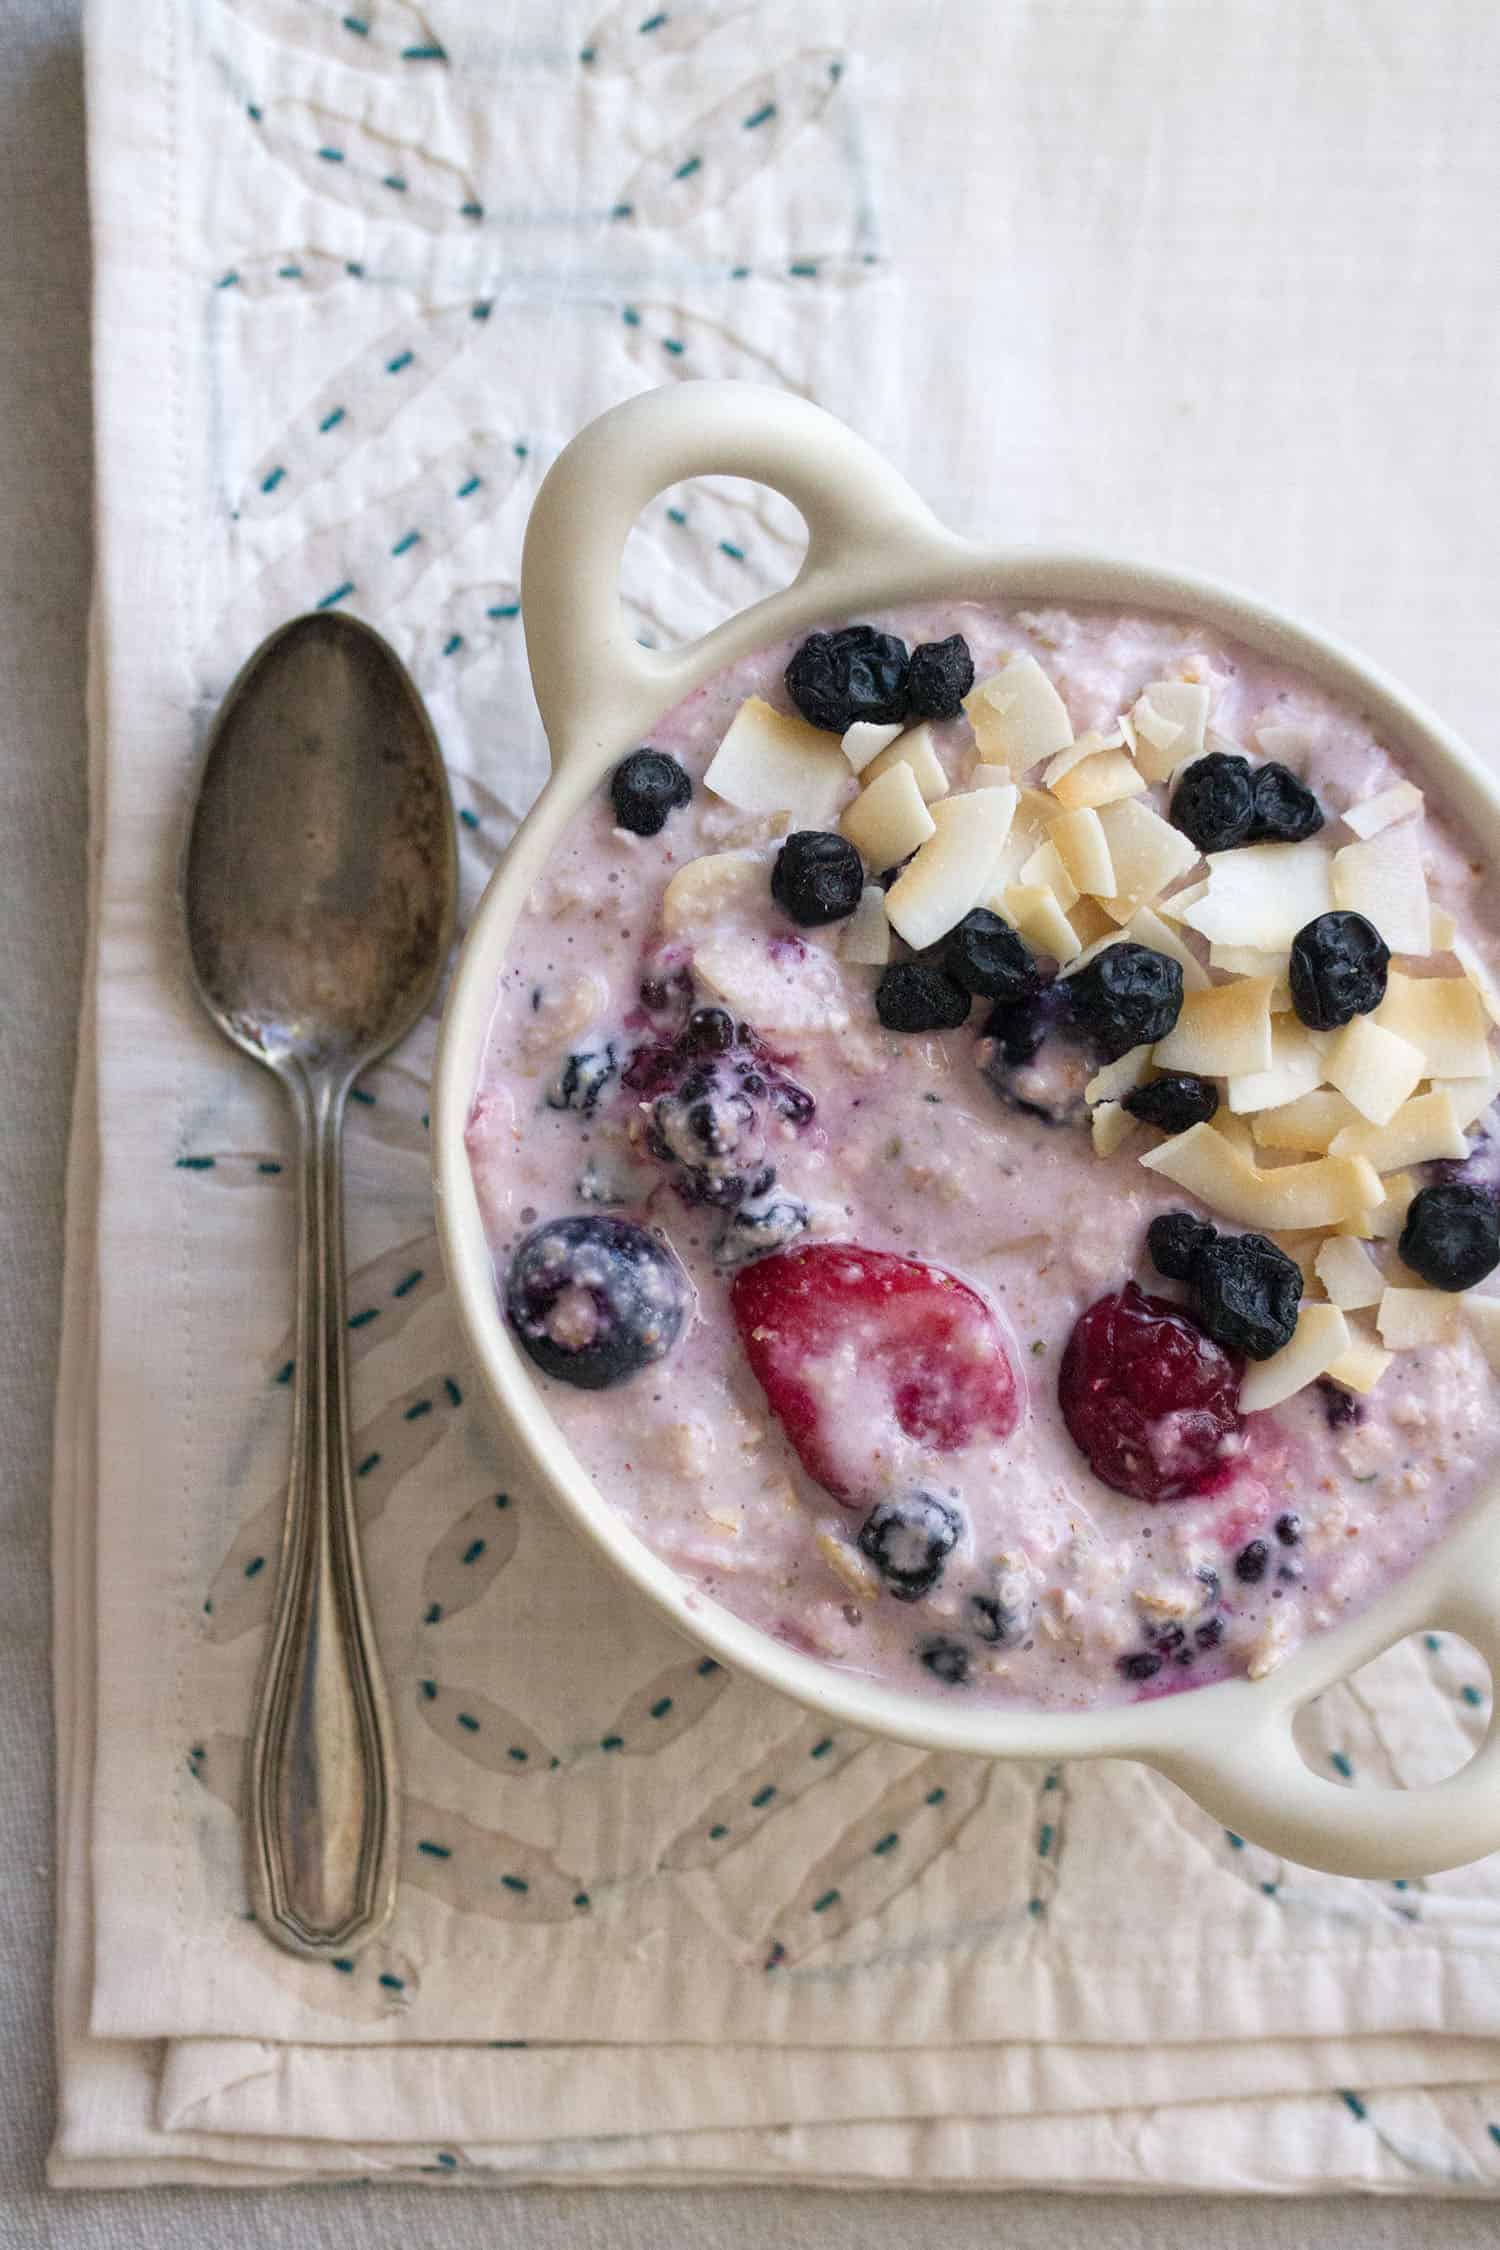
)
(989, 1143)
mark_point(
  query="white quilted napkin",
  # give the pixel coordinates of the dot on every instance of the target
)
(1214, 284)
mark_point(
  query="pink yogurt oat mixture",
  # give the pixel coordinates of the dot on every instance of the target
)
(1058, 1591)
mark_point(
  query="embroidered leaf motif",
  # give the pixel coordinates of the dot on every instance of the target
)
(473, 620)
(635, 34)
(669, 343)
(382, 1296)
(384, 1450)
(707, 161)
(469, 1556)
(358, 401)
(373, 559)
(665, 1708)
(484, 1871)
(373, 173)
(882, 1852)
(483, 1731)
(364, 34)
(285, 273)
(813, 1754)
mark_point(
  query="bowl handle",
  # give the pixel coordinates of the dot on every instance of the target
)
(588, 670)
(1256, 1781)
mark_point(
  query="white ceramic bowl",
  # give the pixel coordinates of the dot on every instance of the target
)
(873, 543)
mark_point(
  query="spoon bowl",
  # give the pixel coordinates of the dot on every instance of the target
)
(321, 870)
(319, 892)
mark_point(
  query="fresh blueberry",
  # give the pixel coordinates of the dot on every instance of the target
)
(1142, 1664)
(988, 958)
(1174, 1239)
(1128, 995)
(1175, 1102)
(1452, 1235)
(818, 877)
(1214, 803)
(594, 1300)
(916, 996)
(938, 678)
(1288, 1528)
(710, 1031)
(1209, 1635)
(946, 1659)
(1251, 1562)
(856, 673)
(645, 788)
(1031, 1057)
(909, 1541)
(1245, 1293)
(583, 1078)
(1337, 969)
(1286, 811)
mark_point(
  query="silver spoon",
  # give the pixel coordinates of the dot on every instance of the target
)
(319, 889)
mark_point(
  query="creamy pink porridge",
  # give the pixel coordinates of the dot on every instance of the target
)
(847, 1051)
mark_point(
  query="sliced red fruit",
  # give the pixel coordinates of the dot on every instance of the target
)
(1149, 1399)
(846, 1341)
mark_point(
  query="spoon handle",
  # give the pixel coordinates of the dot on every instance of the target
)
(323, 1787)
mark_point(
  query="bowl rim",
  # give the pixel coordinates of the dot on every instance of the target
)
(1144, 1728)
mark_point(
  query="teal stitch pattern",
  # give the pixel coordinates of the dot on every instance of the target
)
(453, 644)
(406, 542)
(404, 1288)
(363, 1319)
(331, 420)
(468, 819)
(337, 594)
(401, 360)
(759, 116)
(1341, 1764)
(1352, 2103)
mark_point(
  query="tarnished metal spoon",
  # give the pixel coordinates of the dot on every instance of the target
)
(319, 891)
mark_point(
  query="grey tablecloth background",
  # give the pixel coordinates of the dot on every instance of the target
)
(44, 571)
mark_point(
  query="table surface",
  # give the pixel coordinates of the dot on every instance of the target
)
(44, 583)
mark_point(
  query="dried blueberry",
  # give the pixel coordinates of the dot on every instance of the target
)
(583, 1078)
(1337, 969)
(946, 1659)
(986, 956)
(1175, 1102)
(1209, 1635)
(1126, 996)
(1452, 1235)
(856, 673)
(909, 1541)
(1143, 1664)
(1288, 1528)
(915, 996)
(1286, 811)
(1214, 803)
(645, 787)
(1245, 1293)
(1251, 1561)
(593, 1301)
(1174, 1240)
(940, 675)
(818, 877)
